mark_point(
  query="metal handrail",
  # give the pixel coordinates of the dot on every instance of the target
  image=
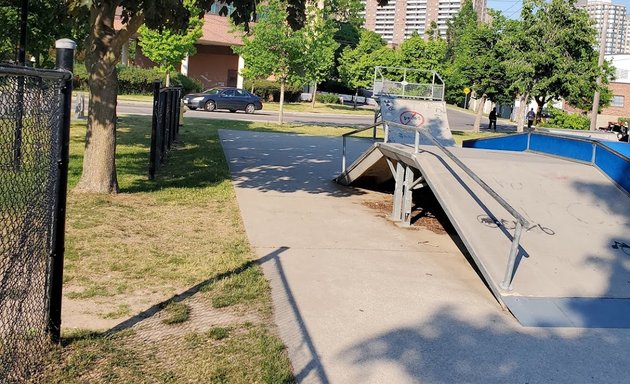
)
(343, 154)
(520, 219)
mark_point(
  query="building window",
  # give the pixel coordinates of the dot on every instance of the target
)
(617, 101)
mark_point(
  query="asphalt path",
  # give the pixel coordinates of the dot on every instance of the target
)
(459, 120)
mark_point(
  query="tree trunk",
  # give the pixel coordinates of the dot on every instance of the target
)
(520, 112)
(313, 95)
(477, 124)
(540, 102)
(102, 54)
(280, 117)
(168, 79)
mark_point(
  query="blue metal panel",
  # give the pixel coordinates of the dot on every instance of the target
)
(570, 311)
(504, 143)
(562, 146)
(615, 166)
(623, 148)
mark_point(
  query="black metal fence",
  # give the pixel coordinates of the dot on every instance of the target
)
(34, 121)
(165, 127)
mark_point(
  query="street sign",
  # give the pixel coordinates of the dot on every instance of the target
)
(466, 90)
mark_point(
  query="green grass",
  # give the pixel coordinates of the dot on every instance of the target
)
(176, 312)
(320, 108)
(179, 233)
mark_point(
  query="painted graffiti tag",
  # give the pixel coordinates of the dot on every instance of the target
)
(411, 118)
(510, 224)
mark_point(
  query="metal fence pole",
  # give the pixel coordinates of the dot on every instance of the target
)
(65, 61)
(154, 131)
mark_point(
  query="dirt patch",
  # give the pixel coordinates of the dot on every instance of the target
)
(425, 213)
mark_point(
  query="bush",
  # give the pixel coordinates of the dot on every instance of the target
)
(334, 86)
(270, 90)
(189, 84)
(136, 80)
(623, 120)
(561, 119)
(327, 98)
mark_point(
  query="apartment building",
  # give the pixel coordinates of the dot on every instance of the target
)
(617, 22)
(399, 19)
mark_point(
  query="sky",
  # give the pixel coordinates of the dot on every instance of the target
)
(512, 8)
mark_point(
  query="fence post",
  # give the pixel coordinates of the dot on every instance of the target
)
(154, 124)
(65, 60)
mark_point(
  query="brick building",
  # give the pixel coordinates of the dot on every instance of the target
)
(620, 88)
(214, 63)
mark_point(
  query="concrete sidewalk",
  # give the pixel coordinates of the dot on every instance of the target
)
(359, 300)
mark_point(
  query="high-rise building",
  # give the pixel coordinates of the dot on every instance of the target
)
(616, 30)
(399, 19)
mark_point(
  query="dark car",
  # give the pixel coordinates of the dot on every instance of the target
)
(233, 99)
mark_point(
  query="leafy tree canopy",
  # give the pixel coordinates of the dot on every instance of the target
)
(167, 48)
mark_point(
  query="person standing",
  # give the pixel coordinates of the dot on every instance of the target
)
(531, 116)
(493, 119)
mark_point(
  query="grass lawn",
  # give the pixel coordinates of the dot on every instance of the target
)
(320, 108)
(159, 283)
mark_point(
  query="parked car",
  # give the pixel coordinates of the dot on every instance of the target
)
(232, 99)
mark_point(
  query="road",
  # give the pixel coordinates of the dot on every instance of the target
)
(459, 120)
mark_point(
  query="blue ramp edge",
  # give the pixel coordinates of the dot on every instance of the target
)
(571, 312)
(612, 158)
(517, 142)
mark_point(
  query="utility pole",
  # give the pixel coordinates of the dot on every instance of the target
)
(600, 62)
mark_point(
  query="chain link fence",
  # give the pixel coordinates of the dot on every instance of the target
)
(165, 126)
(31, 123)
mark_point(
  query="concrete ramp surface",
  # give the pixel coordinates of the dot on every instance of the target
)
(573, 265)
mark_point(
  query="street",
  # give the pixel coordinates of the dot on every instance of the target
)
(459, 120)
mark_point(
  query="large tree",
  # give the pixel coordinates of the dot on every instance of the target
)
(103, 50)
(477, 59)
(356, 65)
(319, 48)
(167, 48)
(553, 55)
(274, 48)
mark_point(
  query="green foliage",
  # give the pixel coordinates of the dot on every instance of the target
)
(176, 312)
(416, 52)
(270, 90)
(561, 119)
(188, 84)
(168, 47)
(273, 48)
(137, 81)
(356, 65)
(475, 57)
(550, 52)
(48, 20)
(327, 98)
(623, 120)
(319, 46)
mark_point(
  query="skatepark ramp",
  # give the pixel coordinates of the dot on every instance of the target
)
(545, 218)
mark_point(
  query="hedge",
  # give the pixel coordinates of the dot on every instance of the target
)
(561, 119)
(270, 90)
(137, 81)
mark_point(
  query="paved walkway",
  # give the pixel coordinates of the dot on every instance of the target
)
(359, 300)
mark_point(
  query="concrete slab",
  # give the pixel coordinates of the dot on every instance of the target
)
(359, 300)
